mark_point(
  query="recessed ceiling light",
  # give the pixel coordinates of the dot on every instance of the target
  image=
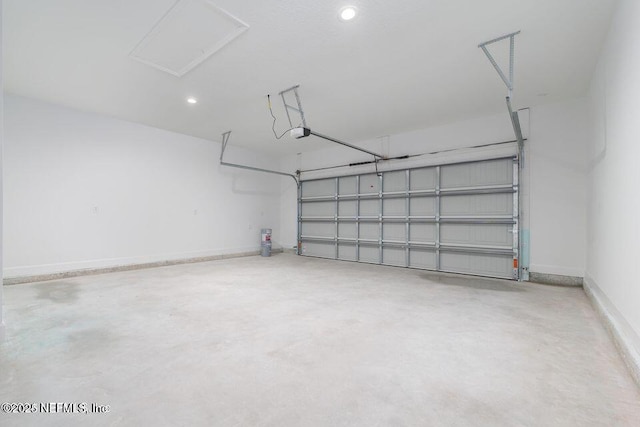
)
(347, 13)
(192, 100)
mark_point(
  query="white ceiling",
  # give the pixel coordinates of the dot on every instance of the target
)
(398, 66)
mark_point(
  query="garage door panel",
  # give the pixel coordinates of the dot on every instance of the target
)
(456, 217)
(483, 264)
(423, 179)
(422, 206)
(320, 188)
(422, 233)
(370, 231)
(369, 254)
(422, 259)
(347, 185)
(347, 208)
(395, 232)
(369, 184)
(477, 234)
(369, 207)
(477, 205)
(319, 249)
(318, 229)
(394, 207)
(395, 181)
(487, 173)
(394, 256)
(316, 209)
(348, 230)
(347, 252)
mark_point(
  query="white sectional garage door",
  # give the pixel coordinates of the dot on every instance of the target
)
(459, 218)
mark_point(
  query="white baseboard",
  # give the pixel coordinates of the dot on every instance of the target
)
(555, 279)
(62, 267)
(40, 273)
(625, 338)
(555, 269)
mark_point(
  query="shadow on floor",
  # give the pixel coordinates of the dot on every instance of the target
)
(473, 282)
(59, 292)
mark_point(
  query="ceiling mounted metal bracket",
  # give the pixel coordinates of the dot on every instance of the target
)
(297, 109)
(507, 78)
(225, 141)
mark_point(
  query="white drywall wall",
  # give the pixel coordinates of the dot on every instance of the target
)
(2, 328)
(87, 191)
(613, 241)
(558, 160)
(553, 188)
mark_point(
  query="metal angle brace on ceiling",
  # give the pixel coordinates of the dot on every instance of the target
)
(225, 141)
(507, 78)
(297, 109)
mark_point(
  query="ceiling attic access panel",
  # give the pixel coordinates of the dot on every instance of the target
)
(188, 34)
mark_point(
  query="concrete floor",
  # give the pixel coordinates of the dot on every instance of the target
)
(292, 341)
